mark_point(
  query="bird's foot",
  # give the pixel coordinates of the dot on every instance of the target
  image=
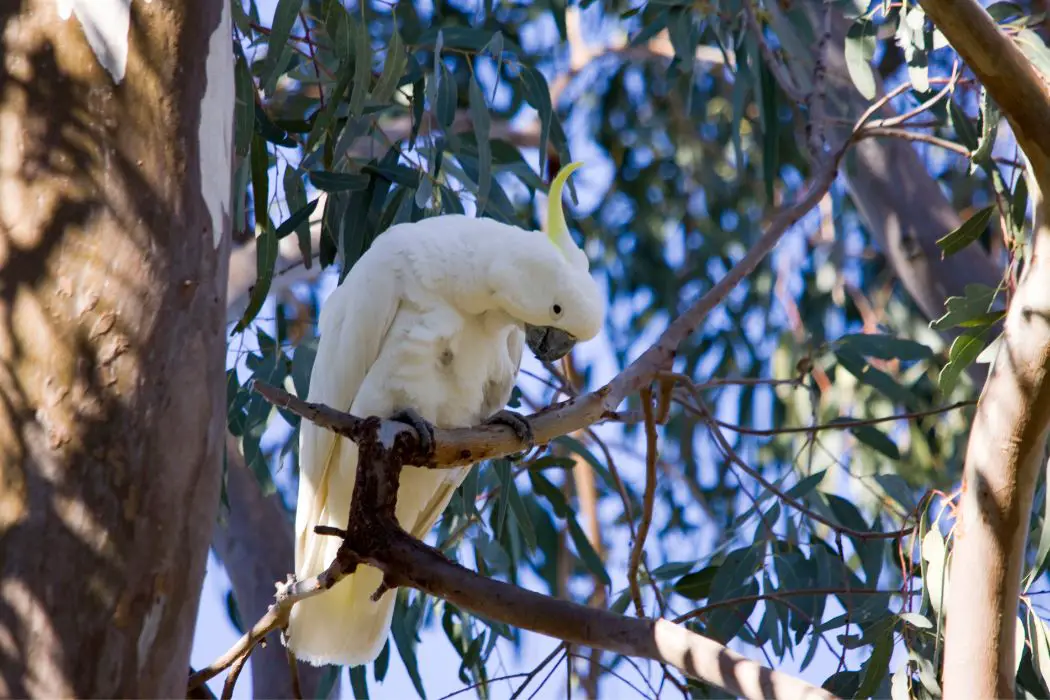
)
(516, 422)
(424, 429)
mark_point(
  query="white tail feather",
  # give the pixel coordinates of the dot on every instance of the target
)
(340, 626)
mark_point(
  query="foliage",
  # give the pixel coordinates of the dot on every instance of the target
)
(780, 487)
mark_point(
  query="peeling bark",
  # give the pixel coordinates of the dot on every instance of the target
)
(112, 303)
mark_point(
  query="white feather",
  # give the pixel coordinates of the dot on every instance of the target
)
(422, 321)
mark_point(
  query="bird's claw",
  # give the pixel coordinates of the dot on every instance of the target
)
(516, 422)
(424, 429)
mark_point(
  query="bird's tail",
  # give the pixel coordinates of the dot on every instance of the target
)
(340, 626)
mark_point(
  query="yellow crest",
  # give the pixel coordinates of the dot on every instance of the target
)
(557, 229)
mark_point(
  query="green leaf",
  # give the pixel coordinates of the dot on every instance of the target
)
(671, 570)
(445, 108)
(382, 663)
(404, 631)
(843, 684)
(296, 219)
(735, 578)
(964, 130)
(521, 515)
(329, 677)
(583, 547)
(1040, 647)
(470, 38)
(502, 469)
(537, 94)
(1035, 50)
(878, 664)
(697, 585)
(244, 106)
(1019, 203)
(964, 350)
(884, 347)
(233, 612)
(877, 440)
(359, 682)
(265, 239)
(770, 119)
(935, 576)
(972, 310)
(278, 46)
(295, 196)
(1044, 540)
(807, 484)
(968, 232)
(325, 116)
(362, 67)
(897, 488)
(338, 182)
(542, 486)
(270, 131)
(302, 365)
(393, 67)
(859, 51)
(990, 117)
(875, 378)
(479, 113)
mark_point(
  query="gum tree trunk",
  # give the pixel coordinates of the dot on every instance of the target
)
(114, 242)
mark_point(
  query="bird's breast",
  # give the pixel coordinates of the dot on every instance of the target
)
(447, 367)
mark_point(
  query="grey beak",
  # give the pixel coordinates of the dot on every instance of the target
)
(548, 343)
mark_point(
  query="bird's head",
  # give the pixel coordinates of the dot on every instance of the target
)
(548, 286)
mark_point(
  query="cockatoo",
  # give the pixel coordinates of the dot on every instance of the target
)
(429, 324)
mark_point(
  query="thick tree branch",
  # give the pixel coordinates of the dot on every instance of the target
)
(1007, 443)
(374, 537)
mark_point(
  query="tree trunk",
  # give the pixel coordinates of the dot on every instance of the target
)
(256, 545)
(1007, 443)
(113, 258)
(902, 206)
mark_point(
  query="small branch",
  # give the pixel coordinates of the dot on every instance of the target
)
(293, 671)
(843, 425)
(231, 679)
(647, 502)
(288, 594)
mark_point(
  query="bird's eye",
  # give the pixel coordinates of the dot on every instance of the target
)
(556, 310)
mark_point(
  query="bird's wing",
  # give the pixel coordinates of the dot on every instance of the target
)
(515, 349)
(353, 326)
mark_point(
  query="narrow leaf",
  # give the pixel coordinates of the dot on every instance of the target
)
(859, 50)
(284, 16)
(393, 67)
(293, 221)
(968, 232)
(479, 113)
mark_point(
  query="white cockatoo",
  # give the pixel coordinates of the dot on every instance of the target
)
(429, 324)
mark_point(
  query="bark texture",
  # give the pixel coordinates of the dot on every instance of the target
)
(1007, 443)
(112, 303)
(256, 545)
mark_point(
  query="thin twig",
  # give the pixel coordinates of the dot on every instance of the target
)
(842, 424)
(293, 671)
(647, 502)
(231, 678)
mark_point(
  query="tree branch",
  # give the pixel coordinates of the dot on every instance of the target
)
(374, 537)
(1007, 443)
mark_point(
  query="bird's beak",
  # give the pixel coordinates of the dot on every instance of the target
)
(548, 343)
